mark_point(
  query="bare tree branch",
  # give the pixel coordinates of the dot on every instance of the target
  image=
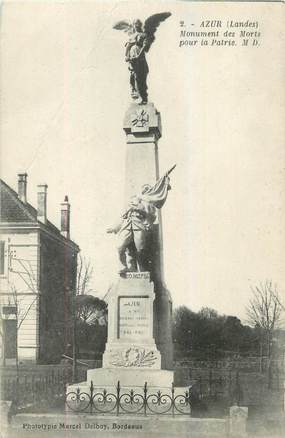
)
(265, 309)
(24, 270)
(21, 311)
(84, 276)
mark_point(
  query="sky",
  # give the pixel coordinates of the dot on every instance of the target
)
(65, 90)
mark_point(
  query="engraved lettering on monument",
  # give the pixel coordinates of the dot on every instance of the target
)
(145, 275)
(134, 317)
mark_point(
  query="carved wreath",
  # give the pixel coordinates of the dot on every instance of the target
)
(133, 357)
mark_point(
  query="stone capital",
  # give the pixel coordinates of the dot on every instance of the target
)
(142, 120)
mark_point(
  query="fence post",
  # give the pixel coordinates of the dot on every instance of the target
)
(238, 390)
(144, 398)
(210, 382)
(277, 379)
(52, 382)
(230, 385)
(189, 400)
(43, 382)
(172, 399)
(269, 376)
(91, 396)
(200, 388)
(47, 386)
(118, 398)
(16, 392)
(25, 382)
(33, 388)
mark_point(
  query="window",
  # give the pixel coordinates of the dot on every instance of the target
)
(10, 338)
(2, 257)
(9, 310)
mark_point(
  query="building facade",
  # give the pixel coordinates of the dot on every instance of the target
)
(37, 277)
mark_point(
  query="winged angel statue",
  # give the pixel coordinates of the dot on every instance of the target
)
(141, 37)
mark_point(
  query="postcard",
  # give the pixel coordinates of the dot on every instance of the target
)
(142, 218)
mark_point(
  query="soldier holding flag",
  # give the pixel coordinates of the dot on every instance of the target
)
(137, 221)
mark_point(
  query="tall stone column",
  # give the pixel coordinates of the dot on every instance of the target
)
(142, 125)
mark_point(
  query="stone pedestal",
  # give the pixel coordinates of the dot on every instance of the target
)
(131, 355)
(130, 324)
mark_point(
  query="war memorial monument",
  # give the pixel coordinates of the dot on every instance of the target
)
(137, 377)
(139, 346)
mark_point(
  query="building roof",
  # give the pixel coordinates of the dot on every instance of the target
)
(13, 210)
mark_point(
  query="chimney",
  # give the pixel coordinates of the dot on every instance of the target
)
(65, 218)
(22, 186)
(42, 203)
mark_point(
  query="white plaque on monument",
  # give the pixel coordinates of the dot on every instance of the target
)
(134, 318)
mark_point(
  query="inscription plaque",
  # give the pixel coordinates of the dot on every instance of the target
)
(134, 317)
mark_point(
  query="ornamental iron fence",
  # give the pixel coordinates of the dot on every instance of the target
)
(45, 390)
(142, 401)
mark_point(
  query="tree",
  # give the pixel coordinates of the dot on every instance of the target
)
(210, 335)
(264, 311)
(235, 335)
(21, 313)
(84, 276)
(208, 313)
(90, 310)
(91, 322)
(210, 329)
(182, 330)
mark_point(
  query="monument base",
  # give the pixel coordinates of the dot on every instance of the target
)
(131, 361)
(130, 377)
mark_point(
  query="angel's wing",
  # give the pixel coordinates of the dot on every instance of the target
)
(124, 25)
(151, 24)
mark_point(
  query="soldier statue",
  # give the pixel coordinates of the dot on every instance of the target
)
(136, 223)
